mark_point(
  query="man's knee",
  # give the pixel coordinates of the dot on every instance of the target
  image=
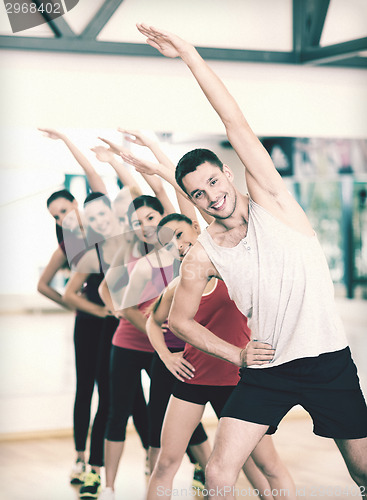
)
(355, 455)
(358, 473)
(217, 475)
(212, 472)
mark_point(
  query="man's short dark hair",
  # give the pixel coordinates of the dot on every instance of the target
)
(190, 162)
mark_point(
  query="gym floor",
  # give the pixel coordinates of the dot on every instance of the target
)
(36, 393)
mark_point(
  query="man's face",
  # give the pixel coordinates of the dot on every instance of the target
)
(212, 190)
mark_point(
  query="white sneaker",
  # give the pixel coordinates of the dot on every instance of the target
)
(77, 472)
(107, 494)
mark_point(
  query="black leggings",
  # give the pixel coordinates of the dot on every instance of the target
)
(161, 386)
(92, 340)
(140, 416)
(125, 369)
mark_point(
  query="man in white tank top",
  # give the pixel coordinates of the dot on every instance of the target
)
(264, 248)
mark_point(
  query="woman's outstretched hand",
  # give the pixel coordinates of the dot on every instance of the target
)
(113, 147)
(166, 43)
(52, 133)
(141, 166)
(103, 154)
(136, 137)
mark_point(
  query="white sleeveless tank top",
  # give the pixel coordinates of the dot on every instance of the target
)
(280, 280)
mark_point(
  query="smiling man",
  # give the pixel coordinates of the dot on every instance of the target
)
(263, 246)
(211, 191)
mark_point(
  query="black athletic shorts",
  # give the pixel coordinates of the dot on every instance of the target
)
(327, 386)
(216, 395)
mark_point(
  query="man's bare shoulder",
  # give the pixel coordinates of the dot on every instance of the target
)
(197, 253)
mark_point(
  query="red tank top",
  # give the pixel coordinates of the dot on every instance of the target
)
(219, 314)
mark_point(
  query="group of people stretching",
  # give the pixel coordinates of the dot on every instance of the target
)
(258, 260)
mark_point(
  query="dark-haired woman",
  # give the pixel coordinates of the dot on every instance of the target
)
(69, 227)
(72, 246)
(95, 326)
(131, 349)
(64, 209)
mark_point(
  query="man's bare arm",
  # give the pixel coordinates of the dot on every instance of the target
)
(252, 153)
(264, 183)
(195, 271)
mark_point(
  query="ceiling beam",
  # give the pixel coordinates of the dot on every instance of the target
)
(331, 53)
(317, 21)
(239, 55)
(80, 45)
(59, 26)
(99, 21)
(351, 62)
(298, 27)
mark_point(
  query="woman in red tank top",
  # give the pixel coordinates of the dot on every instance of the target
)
(201, 378)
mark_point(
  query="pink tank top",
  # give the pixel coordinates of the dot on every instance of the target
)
(127, 335)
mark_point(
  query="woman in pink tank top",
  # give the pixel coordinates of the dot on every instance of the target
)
(131, 350)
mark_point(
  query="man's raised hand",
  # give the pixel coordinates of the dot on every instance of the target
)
(166, 43)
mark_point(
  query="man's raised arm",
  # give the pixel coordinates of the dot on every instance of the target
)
(259, 166)
(264, 183)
